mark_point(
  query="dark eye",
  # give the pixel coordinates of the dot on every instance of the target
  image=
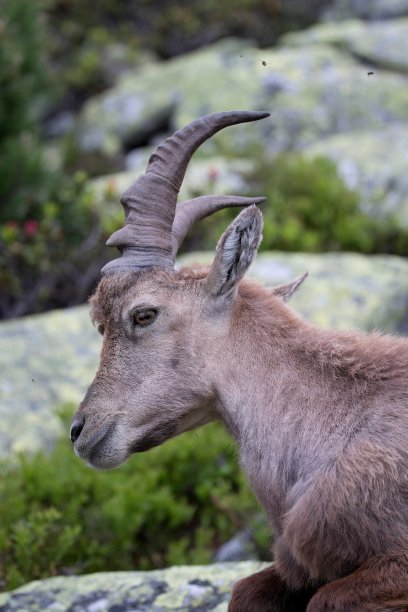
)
(101, 329)
(144, 316)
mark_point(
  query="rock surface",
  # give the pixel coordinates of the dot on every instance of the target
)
(199, 588)
(381, 43)
(336, 89)
(46, 360)
(311, 94)
(50, 359)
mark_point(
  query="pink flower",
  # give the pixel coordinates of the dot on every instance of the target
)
(31, 227)
(213, 173)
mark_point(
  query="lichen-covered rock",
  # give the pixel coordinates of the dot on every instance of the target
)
(49, 359)
(343, 290)
(322, 91)
(383, 44)
(139, 103)
(184, 588)
(45, 360)
(114, 119)
(311, 94)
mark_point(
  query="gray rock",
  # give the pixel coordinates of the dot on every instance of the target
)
(50, 359)
(366, 9)
(381, 44)
(342, 291)
(60, 124)
(116, 120)
(157, 91)
(46, 361)
(238, 548)
(200, 588)
(311, 94)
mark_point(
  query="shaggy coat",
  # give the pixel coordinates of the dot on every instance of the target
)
(320, 418)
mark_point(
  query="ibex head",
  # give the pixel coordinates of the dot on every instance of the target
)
(161, 327)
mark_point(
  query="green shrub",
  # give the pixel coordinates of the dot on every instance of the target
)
(51, 256)
(308, 208)
(175, 504)
(170, 28)
(49, 232)
(22, 79)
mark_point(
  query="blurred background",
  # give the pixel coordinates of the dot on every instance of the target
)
(86, 91)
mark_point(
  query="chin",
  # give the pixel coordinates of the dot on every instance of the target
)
(106, 463)
(103, 459)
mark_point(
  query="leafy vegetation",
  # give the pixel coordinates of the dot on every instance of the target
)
(22, 79)
(45, 214)
(308, 208)
(173, 505)
(169, 28)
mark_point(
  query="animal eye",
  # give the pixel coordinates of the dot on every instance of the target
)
(101, 329)
(144, 316)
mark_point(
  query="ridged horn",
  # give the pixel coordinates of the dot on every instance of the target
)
(191, 211)
(150, 202)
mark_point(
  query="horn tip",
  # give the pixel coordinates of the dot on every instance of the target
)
(254, 115)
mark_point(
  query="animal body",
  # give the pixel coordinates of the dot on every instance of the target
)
(320, 417)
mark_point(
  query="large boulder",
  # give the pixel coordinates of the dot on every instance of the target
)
(337, 90)
(139, 104)
(342, 291)
(46, 360)
(311, 94)
(181, 588)
(381, 44)
(50, 359)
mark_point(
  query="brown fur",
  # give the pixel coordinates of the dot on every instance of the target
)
(320, 417)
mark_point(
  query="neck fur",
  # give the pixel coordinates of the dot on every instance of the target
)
(292, 394)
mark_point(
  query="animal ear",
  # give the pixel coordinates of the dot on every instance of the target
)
(286, 291)
(235, 252)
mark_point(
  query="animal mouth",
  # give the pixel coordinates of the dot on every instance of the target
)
(97, 453)
(97, 448)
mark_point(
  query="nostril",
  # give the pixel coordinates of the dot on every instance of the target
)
(76, 428)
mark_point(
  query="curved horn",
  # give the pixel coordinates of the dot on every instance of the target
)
(150, 202)
(191, 211)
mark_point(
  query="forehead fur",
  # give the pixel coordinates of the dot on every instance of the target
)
(112, 290)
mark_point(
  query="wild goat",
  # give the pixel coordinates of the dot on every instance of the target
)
(320, 417)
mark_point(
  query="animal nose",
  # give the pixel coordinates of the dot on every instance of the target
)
(76, 428)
